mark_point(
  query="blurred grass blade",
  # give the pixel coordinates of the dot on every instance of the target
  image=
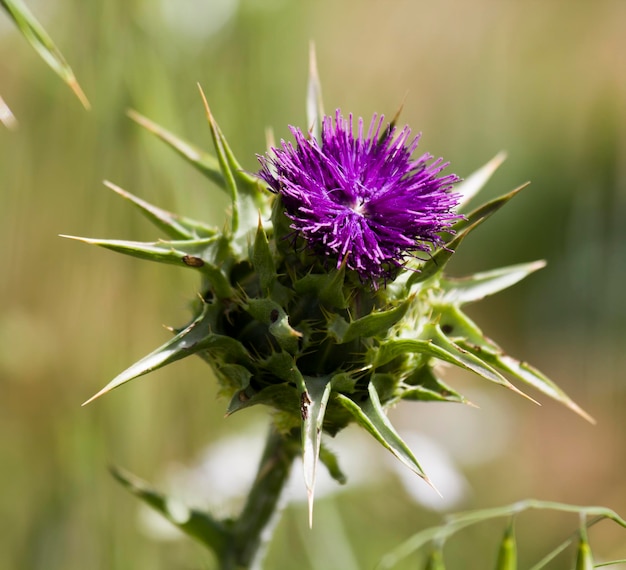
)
(39, 39)
(314, 105)
(199, 525)
(6, 116)
(313, 402)
(175, 226)
(435, 560)
(204, 162)
(455, 523)
(475, 182)
(507, 554)
(584, 558)
(371, 416)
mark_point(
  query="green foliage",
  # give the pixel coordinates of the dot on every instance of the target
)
(507, 552)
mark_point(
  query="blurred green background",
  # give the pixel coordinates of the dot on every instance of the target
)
(545, 81)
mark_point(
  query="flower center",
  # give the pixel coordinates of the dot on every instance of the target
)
(358, 207)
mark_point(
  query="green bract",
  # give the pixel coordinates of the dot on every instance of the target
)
(318, 345)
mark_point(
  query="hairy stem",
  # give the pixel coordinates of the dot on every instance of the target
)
(251, 532)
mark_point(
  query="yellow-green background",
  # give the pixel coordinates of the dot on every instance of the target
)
(544, 80)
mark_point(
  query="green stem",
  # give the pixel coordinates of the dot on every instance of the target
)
(251, 532)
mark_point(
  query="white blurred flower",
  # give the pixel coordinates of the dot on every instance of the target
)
(224, 472)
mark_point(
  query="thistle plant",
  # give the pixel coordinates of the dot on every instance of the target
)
(325, 298)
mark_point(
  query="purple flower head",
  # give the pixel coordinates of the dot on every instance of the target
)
(361, 199)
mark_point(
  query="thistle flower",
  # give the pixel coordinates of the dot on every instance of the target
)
(361, 199)
(308, 335)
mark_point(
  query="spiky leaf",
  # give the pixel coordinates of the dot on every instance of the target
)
(423, 385)
(487, 210)
(195, 338)
(462, 357)
(470, 338)
(206, 163)
(329, 288)
(475, 182)
(481, 285)
(282, 397)
(274, 316)
(439, 259)
(263, 261)
(200, 254)
(370, 415)
(246, 192)
(176, 227)
(313, 400)
(374, 324)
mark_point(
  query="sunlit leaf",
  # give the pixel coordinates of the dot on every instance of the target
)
(486, 210)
